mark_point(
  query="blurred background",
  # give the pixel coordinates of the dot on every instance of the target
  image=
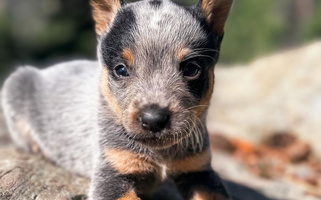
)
(47, 31)
(265, 115)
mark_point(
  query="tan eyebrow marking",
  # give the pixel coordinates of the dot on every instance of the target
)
(128, 55)
(182, 53)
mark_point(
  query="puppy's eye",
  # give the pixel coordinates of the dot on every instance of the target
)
(121, 71)
(191, 70)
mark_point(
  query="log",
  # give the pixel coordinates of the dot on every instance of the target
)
(29, 177)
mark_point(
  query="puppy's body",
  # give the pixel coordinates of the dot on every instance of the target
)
(55, 111)
(136, 117)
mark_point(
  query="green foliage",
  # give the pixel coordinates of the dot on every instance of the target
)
(47, 31)
(252, 29)
(256, 28)
(312, 28)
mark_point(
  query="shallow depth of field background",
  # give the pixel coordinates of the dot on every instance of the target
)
(264, 118)
(44, 32)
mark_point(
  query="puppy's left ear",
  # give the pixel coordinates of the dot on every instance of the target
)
(216, 13)
(104, 12)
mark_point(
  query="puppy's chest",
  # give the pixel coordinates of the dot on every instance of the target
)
(153, 169)
(150, 180)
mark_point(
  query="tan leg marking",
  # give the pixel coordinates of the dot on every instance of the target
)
(204, 195)
(197, 162)
(24, 128)
(205, 101)
(130, 195)
(126, 162)
(128, 55)
(110, 98)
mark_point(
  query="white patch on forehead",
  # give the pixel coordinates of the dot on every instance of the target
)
(158, 15)
(160, 31)
(168, 23)
(155, 19)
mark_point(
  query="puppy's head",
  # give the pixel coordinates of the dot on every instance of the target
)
(157, 62)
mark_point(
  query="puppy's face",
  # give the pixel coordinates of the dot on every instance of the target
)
(157, 60)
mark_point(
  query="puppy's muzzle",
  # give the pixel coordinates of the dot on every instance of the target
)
(154, 118)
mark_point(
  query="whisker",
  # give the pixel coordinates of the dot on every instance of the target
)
(206, 49)
(198, 55)
(197, 106)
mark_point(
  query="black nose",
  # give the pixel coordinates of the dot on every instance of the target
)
(154, 118)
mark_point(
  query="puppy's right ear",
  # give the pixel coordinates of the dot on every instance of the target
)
(104, 12)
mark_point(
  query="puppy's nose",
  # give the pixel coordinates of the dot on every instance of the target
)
(154, 118)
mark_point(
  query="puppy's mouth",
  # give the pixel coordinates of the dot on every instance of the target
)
(159, 140)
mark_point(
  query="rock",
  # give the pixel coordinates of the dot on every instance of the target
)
(258, 104)
(278, 93)
(289, 146)
(220, 143)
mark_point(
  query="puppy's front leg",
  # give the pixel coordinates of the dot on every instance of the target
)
(196, 180)
(123, 175)
(108, 184)
(202, 185)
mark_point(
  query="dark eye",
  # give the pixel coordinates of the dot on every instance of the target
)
(191, 70)
(121, 71)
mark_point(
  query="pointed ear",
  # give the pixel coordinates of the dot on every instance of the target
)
(104, 12)
(216, 13)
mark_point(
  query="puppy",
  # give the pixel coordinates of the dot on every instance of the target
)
(136, 118)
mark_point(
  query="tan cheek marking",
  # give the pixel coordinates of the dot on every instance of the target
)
(196, 162)
(182, 53)
(205, 101)
(128, 55)
(134, 116)
(103, 13)
(112, 101)
(126, 162)
(133, 120)
(130, 195)
(203, 195)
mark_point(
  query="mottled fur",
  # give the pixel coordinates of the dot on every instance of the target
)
(87, 118)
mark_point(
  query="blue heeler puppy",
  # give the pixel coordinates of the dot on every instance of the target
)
(136, 118)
